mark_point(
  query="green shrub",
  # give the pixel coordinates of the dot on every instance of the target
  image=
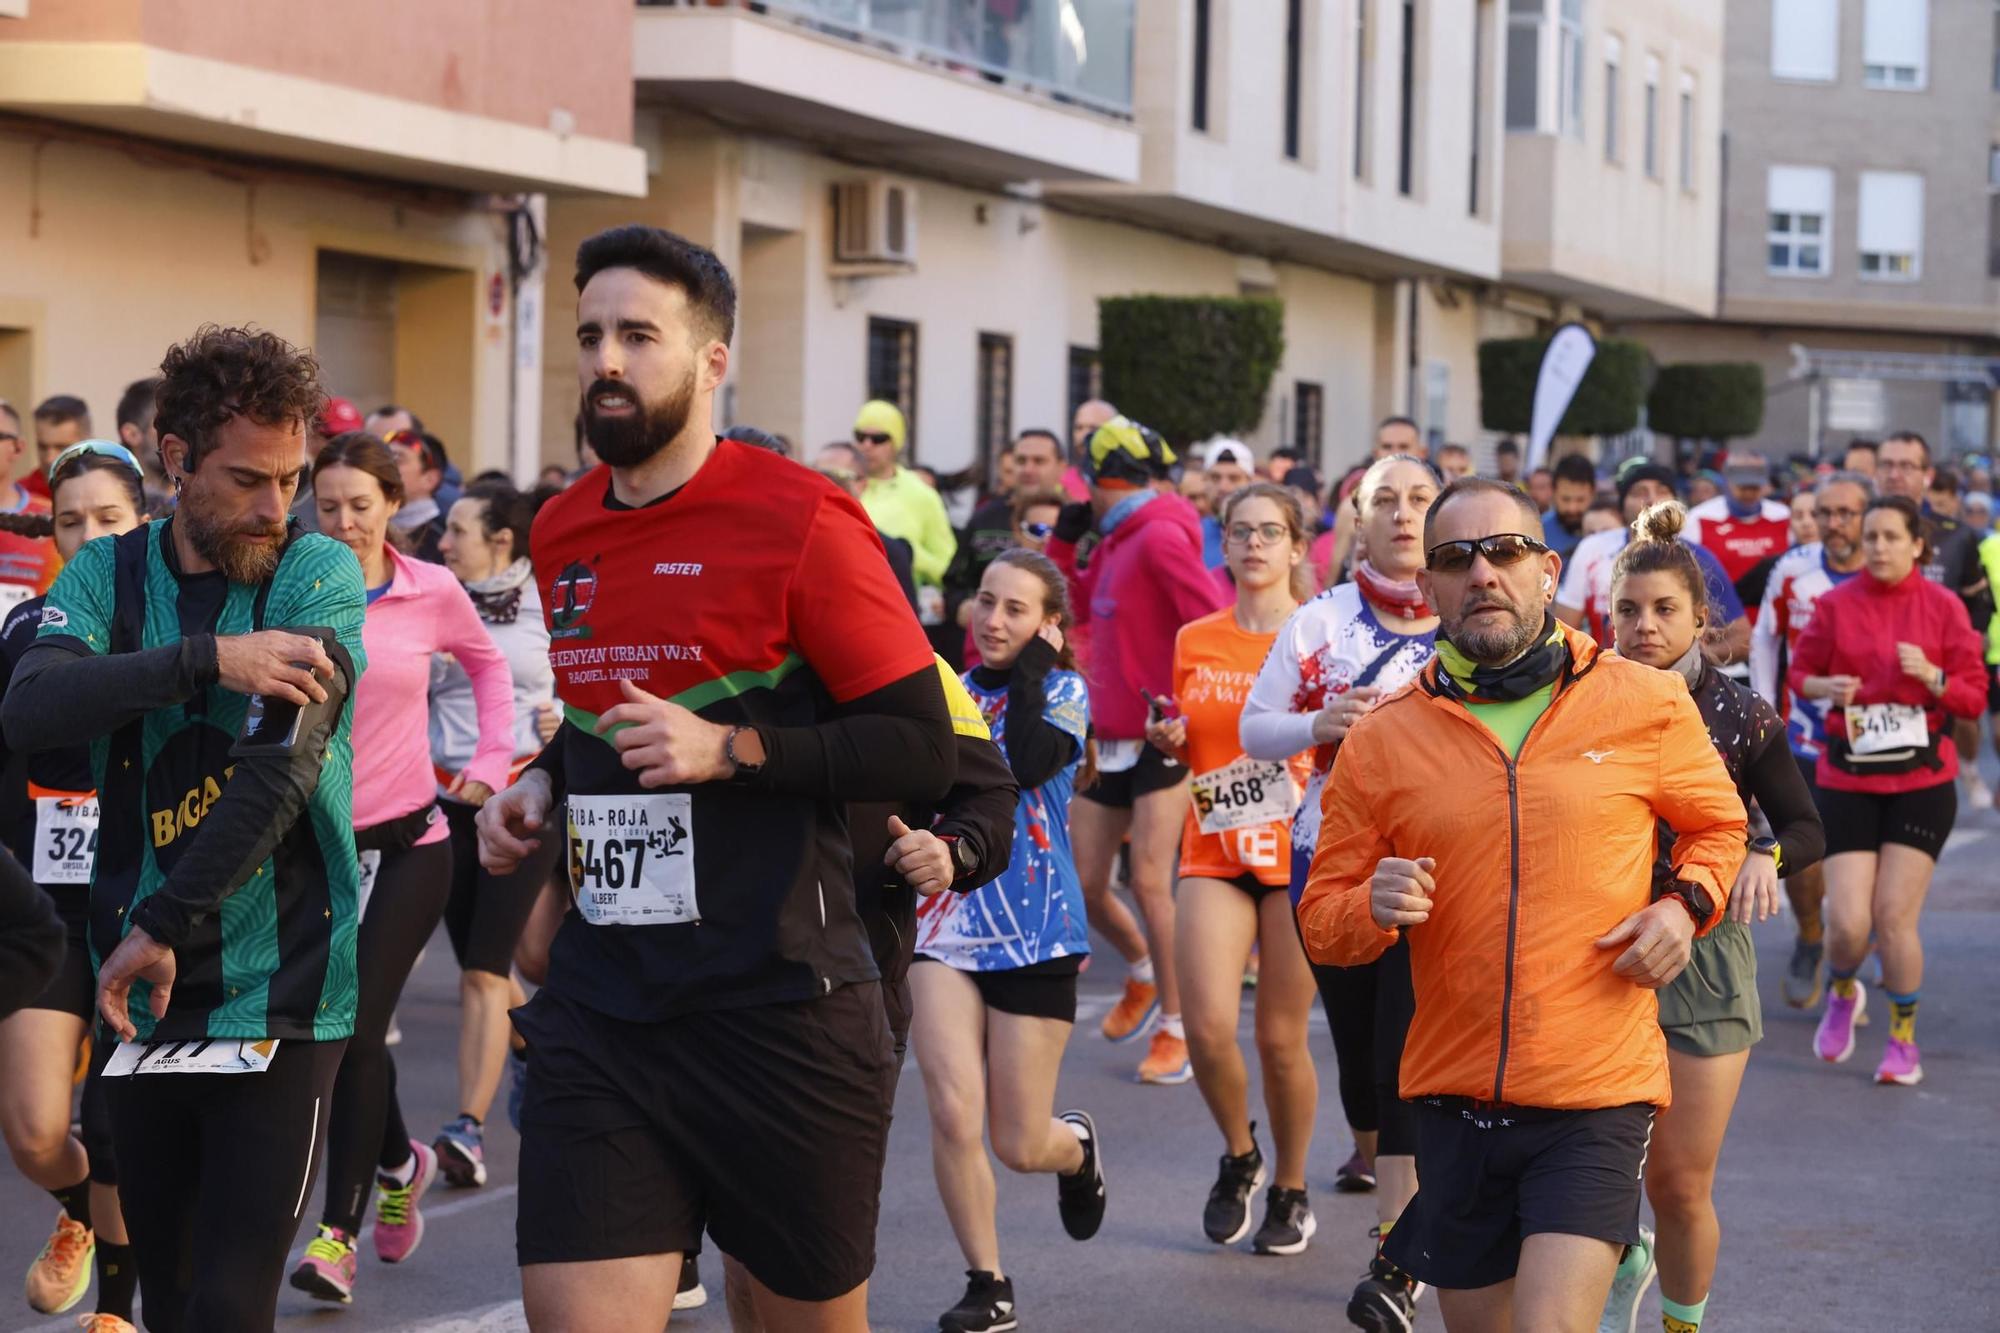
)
(1190, 366)
(1606, 403)
(1708, 401)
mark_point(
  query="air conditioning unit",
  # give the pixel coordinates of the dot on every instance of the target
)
(874, 222)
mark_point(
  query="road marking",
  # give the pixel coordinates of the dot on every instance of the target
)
(504, 1318)
(431, 1214)
(1960, 839)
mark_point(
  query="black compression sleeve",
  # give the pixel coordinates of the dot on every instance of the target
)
(264, 797)
(979, 810)
(550, 760)
(63, 694)
(31, 937)
(1774, 779)
(894, 744)
(1036, 750)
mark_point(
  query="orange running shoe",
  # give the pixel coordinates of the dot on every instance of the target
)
(104, 1323)
(1133, 1014)
(1166, 1060)
(61, 1272)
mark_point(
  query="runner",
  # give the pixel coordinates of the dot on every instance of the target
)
(222, 899)
(1227, 467)
(1743, 526)
(711, 1035)
(1710, 1012)
(31, 938)
(1145, 581)
(1344, 652)
(1798, 580)
(97, 491)
(995, 978)
(485, 546)
(415, 609)
(1235, 864)
(28, 559)
(1899, 658)
(1535, 1054)
(1989, 562)
(1573, 485)
(995, 526)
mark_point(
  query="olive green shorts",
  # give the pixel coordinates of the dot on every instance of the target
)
(1712, 1007)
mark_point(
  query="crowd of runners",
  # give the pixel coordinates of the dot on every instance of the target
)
(733, 770)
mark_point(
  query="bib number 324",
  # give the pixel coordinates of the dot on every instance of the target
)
(631, 859)
(65, 839)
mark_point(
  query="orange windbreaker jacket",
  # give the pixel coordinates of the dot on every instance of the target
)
(1537, 858)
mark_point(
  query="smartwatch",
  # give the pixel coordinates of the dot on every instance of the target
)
(1695, 898)
(1768, 846)
(729, 752)
(963, 861)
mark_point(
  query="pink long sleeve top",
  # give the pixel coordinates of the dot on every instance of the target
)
(424, 611)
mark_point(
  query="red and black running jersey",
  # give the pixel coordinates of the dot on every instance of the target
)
(758, 593)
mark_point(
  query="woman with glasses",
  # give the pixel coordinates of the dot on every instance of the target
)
(1350, 646)
(1235, 865)
(50, 825)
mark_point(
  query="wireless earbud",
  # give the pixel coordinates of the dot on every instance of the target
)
(1547, 583)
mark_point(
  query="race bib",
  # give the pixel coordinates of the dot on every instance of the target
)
(204, 1055)
(369, 863)
(1244, 794)
(65, 839)
(1886, 728)
(631, 859)
(1117, 756)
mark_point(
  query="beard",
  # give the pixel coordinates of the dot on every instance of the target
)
(225, 545)
(1490, 644)
(630, 440)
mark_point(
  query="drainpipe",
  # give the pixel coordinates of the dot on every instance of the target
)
(527, 267)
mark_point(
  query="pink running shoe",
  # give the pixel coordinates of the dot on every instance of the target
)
(327, 1271)
(399, 1225)
(1900, 1064)
(1834, 1042)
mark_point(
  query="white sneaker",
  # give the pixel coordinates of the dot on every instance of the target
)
(1621, 1309)
(1979, 794)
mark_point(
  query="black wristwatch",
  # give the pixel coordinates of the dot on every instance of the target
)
(729, 752)
(963, 859)
(1695, 898)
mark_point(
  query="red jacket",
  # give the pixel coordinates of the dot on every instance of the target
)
(1854, 632)
(1145, 580)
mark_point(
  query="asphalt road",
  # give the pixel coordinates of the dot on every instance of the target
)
(1844, 1205)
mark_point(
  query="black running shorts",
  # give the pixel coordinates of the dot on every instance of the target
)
(1488, 1177)
(767, 1126)
(1040, 990)
(73, 989)
(1861, 821)
(1154, 770)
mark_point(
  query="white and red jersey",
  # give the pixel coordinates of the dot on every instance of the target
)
(1741, 544)
(1799, 579)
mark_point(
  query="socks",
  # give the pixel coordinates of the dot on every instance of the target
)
(1142, 971)
(467, 1120)
(1171, 1025)
(75, 1201)
(1633, 1262)
(1843, 984)
(1678, 1318)
(1903, 1015)
(400, 1176)
(117, 1279)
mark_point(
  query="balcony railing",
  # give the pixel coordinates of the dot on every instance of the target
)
(1073, 51)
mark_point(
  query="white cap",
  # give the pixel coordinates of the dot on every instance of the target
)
(1225, 450)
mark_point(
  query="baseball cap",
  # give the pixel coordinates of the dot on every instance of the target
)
(1230, 451)
(1745, 469)
(339, 416)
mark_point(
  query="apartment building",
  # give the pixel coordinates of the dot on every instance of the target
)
(1861, 233)
(361, 177)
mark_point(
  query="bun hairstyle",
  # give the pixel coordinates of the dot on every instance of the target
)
(1656, 548)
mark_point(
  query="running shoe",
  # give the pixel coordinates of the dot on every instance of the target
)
(399, 1224)
(1355, 1175)
(461, 1152)
(1226, 1219)
(1133, 1014)
(1079, 1197)
(1834, 1042)
(517, 1085)
(986, 1307)
(1979, 795)
(1166, 1060)
(104, 1323)
(1628, 1287)
(61, 1272)
(1288, 1222)
(1803, 979)
(1900, 1064)
(1385, 1301)
(690, 1295)
(327, 1271)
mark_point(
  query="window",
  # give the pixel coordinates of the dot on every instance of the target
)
(1651, 112)
(1524, 63)
(1308, 419)
(1895, 43)
(1199, 116)
(1892, 225)
(1570, 58)
(1805, 39)
(1294, 42)
(1800, 203)
(1406, 135)
(892, 369)
(996, 398)
(1361, 89)
(1614, 51)
(1687, 131)
(1086, 377)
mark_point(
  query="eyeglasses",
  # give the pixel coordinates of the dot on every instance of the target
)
(1830, 515)
(1270, 533)
(1039, 531)
(107, 448)
(1501, 550)
(1898, 465)
(870, 437)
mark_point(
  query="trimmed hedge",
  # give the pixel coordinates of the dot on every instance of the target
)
(1606, 403)
(1708, 401)
(1190, 367)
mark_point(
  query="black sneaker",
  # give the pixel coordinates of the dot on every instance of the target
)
(1080, 1198)
(1226, 1219)
(1386, 1300)
(1354, 1176)
(986, 1307)
(1288, 1222)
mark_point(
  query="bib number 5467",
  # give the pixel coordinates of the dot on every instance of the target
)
(631, 859)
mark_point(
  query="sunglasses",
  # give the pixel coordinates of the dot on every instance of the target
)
(1501, 550)
(105, 447)
(870, 437)
(1041, 532)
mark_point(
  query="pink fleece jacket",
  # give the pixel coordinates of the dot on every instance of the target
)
(425, 611)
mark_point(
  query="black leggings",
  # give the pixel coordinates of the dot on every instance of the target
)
(1368, 1011)
(217, 1168)
(367, 1127)
(487, 912)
